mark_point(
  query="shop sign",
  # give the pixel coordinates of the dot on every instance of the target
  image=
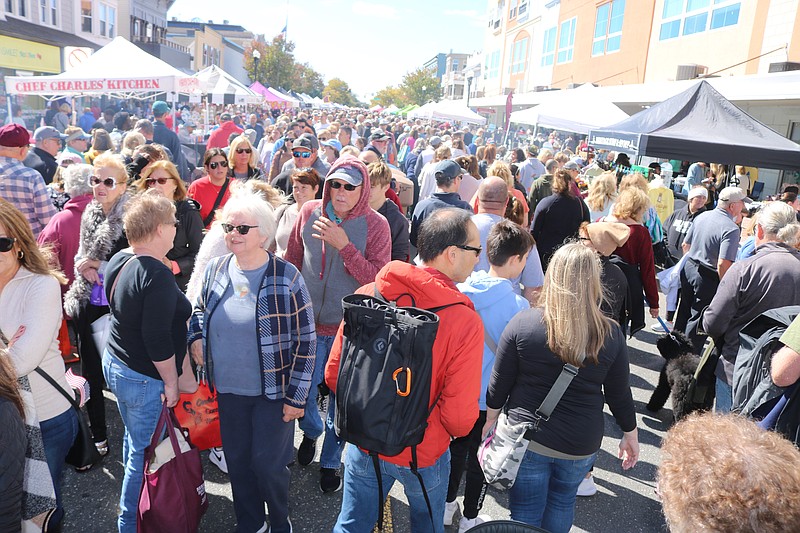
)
(19, 54)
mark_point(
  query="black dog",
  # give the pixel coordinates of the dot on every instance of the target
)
(676, 375)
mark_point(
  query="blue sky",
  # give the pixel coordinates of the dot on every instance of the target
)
(392, 37)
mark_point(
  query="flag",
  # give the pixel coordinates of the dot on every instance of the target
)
(282, 34)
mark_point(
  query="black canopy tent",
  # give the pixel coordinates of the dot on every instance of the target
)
(699, 124)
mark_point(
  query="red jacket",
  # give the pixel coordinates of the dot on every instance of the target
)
(219, 137)
(62, 233)
(457, 355)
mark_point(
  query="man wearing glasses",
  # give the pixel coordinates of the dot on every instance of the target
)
(339, 244)
(20, 185)
(305, 154)
(42, 157)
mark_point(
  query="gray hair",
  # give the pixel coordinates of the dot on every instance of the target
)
(144, 126)
(76, 179)
(251, 202)
(775, 216)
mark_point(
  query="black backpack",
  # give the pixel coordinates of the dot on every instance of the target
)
(384, 384)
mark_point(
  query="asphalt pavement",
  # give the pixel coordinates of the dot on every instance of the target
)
(625, 502)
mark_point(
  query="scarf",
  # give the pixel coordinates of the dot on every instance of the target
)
(98, 234)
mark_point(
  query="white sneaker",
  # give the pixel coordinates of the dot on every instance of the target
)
(658, 329)
(217, 456)
(450, 509)
(587, 487)
(465, 524)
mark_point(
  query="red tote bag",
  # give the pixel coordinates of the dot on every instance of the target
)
(198, 413)
(173, 496)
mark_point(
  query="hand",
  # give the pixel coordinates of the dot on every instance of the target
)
(292, 413)
(196, 350)
(488, 427)
(654, 312)
(629, 449)
(17, 335)
(329, 232)
(86, 263)
(171, 394)
(91, 275)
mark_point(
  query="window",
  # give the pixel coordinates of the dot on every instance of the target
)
(492, 69)
(23, 11)
(608, 28)
(688, 17)
(549, 47)
(519, 56)
(566, 41)
(512, 9)
(108, 18)
(9, 6)
(86, 16)
(455, 65)
(523, 8)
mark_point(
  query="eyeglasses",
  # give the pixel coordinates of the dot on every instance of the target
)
(347, 186)
(174, 223)
(243, 150)
(7, 243)
(303, 155)
(241, 229)
(214, 164)
(110, 183)
(477, 250)
(161, 181)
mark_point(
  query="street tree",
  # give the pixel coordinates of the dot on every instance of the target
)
(339, 92)
(421, 86)
(307, 80)
(390, 95)
(276, 66)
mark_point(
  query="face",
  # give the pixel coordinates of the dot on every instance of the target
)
(377, 193)
(466, 260)
(303, 157)
(330, 154)
(221, 169)
(52, 146)
(104, 194)
(302, 192)
(167, 188)
(8, 259)
(240, 244)
(343, 137)
(696, 203)
(343, 200)
(736, 208)
(381, 145)
(241, 156)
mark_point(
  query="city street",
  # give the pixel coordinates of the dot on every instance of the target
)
(625, 502)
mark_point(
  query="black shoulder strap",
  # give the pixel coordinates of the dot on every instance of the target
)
(52, 382)
(210, 216)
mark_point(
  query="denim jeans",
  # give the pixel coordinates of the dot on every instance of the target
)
(311, 423)
(545, 491)
(360, 501)
(58, 435)
(139, 403)
(724, 397)
(332, 446)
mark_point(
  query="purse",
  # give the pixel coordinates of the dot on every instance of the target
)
(173, 496)
(199, 414)
(83, 452)
(503, 449)
(101, 328)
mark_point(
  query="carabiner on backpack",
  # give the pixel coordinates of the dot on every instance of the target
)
(400, 391)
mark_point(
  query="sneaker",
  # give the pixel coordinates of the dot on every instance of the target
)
(659, 329)
(450, 509)
(269, 530)
(587, 487)
(306, 451)
(465, 524)
(217, 456)
(329, 480)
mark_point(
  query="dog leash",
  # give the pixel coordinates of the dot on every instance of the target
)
(664, 325)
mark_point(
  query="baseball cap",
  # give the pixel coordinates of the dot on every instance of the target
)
(306, 140)
(77, 135)
(14, 136)
(571, 165)
(225, 117)
(378, 135)
(694, 192)
(435, 141)
(448, 169)
(731, 194)
(333, 143)
(160, 108)
(347, 173)
(47, 132)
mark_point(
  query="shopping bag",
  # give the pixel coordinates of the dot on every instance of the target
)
(198, 413)
(173, 496)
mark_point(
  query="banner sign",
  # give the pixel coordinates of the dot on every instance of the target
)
(26, 55)
(51, 85)
(617, 141)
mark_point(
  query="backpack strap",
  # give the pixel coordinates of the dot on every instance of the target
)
(376, 465)
(415, 470)
(220, 195)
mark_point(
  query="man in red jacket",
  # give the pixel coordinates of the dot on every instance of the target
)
(449, 246)
(219, 137)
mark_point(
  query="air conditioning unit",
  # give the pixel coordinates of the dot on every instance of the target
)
(784, 66)
(690, 72)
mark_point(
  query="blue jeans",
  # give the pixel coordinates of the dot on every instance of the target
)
(545, 491)
(724, 397)
(58, 435)
(361, 499)
(311, 423)
(139, 403)
(332, 446)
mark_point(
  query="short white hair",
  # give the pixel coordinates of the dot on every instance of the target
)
(76, 179)
(252, 203)
(775, 216)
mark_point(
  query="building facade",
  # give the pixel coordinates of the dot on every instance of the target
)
(222, 45)
(454, 78)
(144, 23)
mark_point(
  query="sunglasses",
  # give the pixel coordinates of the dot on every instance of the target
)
(214, 164)
(243, 150)
(152, 181)
(241, 229)
(110, 183)
(477, 250)
(304, 155)
(7, 243)
(347, 186)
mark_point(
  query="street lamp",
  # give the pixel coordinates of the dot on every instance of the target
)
(469, 83)
(256, 57)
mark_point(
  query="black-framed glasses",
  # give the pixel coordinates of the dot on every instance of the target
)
(243, 150)
(304, 155)
(347, 186)
(475, 249)
(241, 229)
(110, 183)
(175, 223)
(214, 164)
(161, 181)
(7, 243)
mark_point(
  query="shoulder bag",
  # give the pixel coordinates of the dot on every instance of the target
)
(220, 196)
(102, 326)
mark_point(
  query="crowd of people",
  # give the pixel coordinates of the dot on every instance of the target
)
(540, 257)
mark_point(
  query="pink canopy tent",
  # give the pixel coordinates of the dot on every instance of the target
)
(275, 101)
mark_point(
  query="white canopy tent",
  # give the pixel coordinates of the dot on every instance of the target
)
(120, 68)
(578, 110)
(449, 110)
(222, 88)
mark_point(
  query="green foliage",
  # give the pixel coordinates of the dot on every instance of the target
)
(339, 92)
(277, 67)
(421, 86)
(390, 95)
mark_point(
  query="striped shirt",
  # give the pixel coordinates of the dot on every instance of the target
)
(25, 188)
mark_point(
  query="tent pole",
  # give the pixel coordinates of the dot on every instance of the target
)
(8, 104)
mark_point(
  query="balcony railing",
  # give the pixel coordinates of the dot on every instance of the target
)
(162, 41)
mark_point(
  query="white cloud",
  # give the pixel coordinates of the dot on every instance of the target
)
(374, 10)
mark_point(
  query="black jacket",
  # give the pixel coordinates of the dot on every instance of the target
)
(188, 237)
(43, 163)
(677, 226)
(13, 441)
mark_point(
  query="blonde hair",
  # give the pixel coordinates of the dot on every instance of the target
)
(631, 203)
(379, 173)
(502, 171)
(237, 143)
(112, 161)
(442, 153)
(545, 154)
(131, 142)
(636, 179)
(171, 169)
(144, 213)
(571, 298)
(602, 189)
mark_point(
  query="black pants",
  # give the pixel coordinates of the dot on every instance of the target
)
(464, 455)
(92, 369)
(698, 287)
